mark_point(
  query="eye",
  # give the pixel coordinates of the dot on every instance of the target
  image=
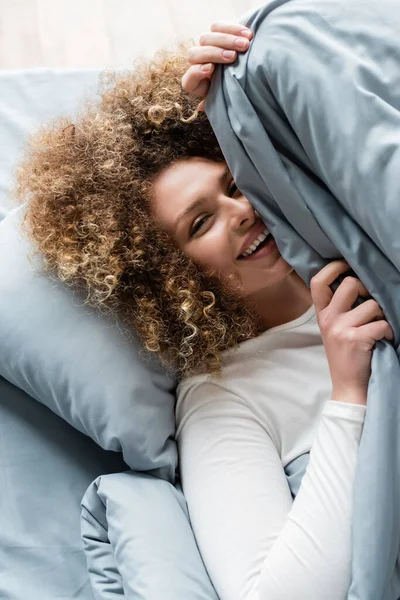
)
(197, 225)
(232, 189)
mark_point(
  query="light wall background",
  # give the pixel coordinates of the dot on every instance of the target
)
(102, 33)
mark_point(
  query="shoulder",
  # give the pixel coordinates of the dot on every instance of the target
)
(201, 390)
(205, 397)
(261, 359)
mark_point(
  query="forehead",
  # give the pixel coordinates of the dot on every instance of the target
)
(177, 186)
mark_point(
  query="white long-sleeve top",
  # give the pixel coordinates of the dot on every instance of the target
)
(235, 434)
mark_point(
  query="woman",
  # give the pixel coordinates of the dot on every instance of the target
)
(133, 203)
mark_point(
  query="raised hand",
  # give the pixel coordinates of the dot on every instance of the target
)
(220, 45)
(349, 334)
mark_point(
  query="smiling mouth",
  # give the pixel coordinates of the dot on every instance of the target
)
(261, 241)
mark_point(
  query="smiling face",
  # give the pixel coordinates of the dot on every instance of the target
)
(197, 202)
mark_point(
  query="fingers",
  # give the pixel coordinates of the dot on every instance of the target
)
(346, 295)
(320, 284)
(370, 321)
(378, 330)
(210, 54)
(218, 46)
(231, 28)
(196, 80)
(365, 313)
(366, 321)
(225, 40)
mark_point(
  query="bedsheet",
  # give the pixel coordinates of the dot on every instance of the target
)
(138, 540)
(45, 468)
(309, 121)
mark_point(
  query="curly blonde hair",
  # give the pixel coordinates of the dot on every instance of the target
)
(87, 184)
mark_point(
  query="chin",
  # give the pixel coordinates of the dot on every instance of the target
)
(270, 277)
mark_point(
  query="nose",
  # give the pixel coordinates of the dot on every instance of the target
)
(242, 214)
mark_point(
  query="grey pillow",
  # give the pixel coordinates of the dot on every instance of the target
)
(31, 97)
(45, 468)
(80, 364)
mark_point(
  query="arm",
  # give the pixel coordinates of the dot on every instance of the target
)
(255, 541)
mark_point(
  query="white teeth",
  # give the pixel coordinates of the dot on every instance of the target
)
(256, 243)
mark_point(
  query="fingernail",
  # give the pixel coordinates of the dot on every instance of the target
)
(206, 68)
(228, 53)
(241, 43)
(247, 33)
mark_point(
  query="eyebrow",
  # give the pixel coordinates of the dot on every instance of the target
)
(201, 199)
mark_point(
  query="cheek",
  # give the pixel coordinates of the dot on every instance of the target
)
(213, 252)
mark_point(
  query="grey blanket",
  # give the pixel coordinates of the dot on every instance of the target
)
(309, 121)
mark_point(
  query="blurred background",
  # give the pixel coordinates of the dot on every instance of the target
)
(102, 33)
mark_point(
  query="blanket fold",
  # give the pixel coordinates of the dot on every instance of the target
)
(309, 122)
(138, 541)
